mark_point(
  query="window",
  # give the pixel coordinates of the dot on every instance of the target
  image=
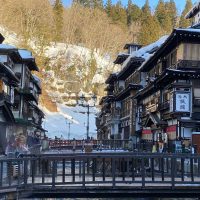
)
(6, 89)
(189, 51)
(125, 107)
(173, 58)
(196, 86)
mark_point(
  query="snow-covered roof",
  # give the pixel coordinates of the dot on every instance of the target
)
(192, 30)
(25, 54)
(7, 46)
(166, 40)
(195, 9)
(147, 51)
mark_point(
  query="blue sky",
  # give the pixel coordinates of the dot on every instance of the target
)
(179, 3)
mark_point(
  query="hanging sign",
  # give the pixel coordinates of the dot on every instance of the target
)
(182, 102)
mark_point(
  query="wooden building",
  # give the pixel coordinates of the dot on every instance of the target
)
(169, 104)
(20, 93)
(157, 93)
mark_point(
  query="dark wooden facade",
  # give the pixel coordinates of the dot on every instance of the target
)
(20, 116)
(159, 95)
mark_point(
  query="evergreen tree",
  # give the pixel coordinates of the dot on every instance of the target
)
(163, 17)
(90, 3)
(58, 18)
(150, 30)
(133, 13)
(146, 9)
(108, 7)
(172, 12)
(185, 22)
(118, 14)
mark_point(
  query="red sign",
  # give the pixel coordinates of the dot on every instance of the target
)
(171, 128)
(146, 131)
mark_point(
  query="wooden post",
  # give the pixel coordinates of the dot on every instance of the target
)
(54, 174)
(182, 169)
(191, 169)
(173, 172)
(133, 169)
(73, 169)
(143, 173)
(113, 171)
(152, 169)
(93, 169)
(63, 170)
(83, 172)
(1, 174)
(25, 172)
(103, 169)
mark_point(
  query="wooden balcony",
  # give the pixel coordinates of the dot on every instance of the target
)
(5, 97)
(188, 64)
(152, 108)
(30, 94)
(163, 106)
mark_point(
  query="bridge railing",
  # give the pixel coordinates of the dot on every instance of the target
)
(100, 169)
(96, 144)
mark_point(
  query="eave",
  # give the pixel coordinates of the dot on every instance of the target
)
(102, 100)
(177, 36)
(5, 71)
(193, 11)
(1, 38)
(126, 46)
(13, 53)
(121, 58)
(126, 92)
(111, 79)
(7, 112)
(31, 64)
(38, 109)
(131, 66)
(167, 77)
(37, 84)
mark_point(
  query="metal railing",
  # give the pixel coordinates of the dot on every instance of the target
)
(130, 170)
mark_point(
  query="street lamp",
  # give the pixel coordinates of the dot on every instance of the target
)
(69, 125)
(88, 106)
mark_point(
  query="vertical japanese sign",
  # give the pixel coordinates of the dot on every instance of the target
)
(171, 103)
(12, 95)
(182, 102)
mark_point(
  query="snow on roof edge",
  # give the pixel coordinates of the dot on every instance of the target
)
(190, 13)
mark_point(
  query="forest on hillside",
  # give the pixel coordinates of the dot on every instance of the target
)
(90, 23)
(101, 29)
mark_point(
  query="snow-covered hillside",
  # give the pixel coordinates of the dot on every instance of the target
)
(68, 73)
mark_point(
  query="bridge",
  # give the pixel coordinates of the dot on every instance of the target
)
(99, 174)
(95, 144)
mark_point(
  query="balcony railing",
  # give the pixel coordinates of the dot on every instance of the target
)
(163, 106)
(188, 64)
(112, 119)
(5, 97)
(31, 93)
(152, 108)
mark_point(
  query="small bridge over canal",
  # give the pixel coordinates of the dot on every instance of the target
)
(116, 174)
